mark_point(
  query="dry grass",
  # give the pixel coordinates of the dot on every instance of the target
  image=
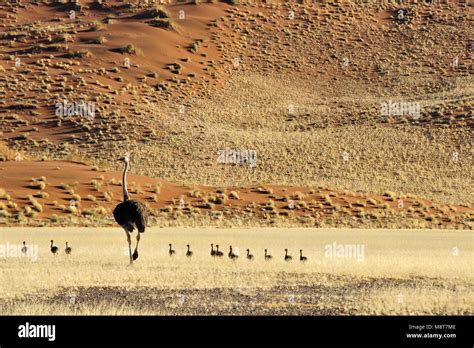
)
(420, 266)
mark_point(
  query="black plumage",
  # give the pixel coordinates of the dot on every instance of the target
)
(132, 214)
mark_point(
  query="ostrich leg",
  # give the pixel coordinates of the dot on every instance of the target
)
(129, 244)
(135, 253)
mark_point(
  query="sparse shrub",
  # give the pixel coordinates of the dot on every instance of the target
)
(164, 23)
(298, 196)
(391, 195)
(157, 189)
(155, 12)
(101, 210)
(195, 194)
(71, 209)
(98, 40)
(41, 194)
(91, 198)
(78, 54)
(265, 190)
(175, 68)
(88, 213)
(96, 184)
(234, 195)
(167, 209)
(37, 206)
(4, 214)
(39, 185)
(107, 196)
(372, 201)
(98, 26)
(221, 199)
(64, 186)
(129, 49)
(208, 205)
(30, 212)
(360, 204)
(302, 205)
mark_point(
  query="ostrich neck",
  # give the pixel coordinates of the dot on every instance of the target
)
(124, 181)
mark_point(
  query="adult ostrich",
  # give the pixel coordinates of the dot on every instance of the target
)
(130, 214)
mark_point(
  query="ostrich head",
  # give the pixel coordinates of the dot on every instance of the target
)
(125, 159)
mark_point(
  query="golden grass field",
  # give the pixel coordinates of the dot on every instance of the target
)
(402, 272)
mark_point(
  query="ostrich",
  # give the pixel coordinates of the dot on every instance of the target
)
(68, 249)
(213, 252)
(232, 255)
(54, 248)
(302, 258)
(130, 214)
(24, 249)
(189, 253)
(219, 253)
(267, 256)
(249, 255)
(287, 257)
(171, 252)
